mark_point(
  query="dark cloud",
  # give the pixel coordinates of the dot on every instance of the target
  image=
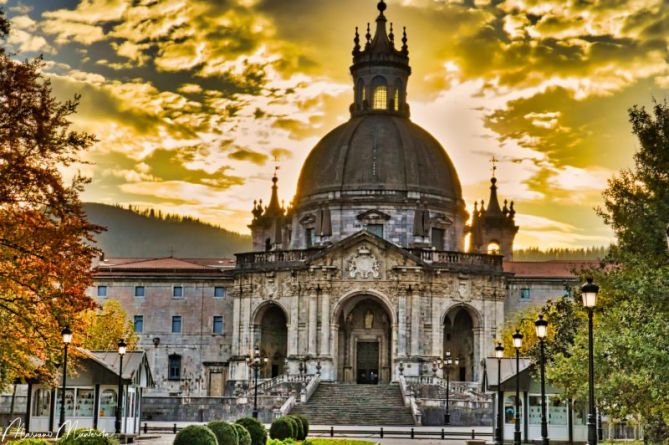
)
(243, 154)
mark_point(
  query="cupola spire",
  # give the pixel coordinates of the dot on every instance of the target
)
(380, 71)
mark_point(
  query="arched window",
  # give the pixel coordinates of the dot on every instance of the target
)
(379, 93)
(108, 403)
(360, 91)
(493, 248)
(396, 100)
(380, 100)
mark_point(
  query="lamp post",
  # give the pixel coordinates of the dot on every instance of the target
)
(499, 353)
(256, 363)
(589, 294)
(517, 343)
(542, 329)
(67, 339)
(445, 365)
(121, 352)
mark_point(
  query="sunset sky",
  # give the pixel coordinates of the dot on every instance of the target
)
(191, 101)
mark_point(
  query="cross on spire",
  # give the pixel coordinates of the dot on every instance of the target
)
(494, 162)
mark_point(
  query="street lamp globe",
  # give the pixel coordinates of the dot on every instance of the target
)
(589, 293)
(499, 350)
(517, 339)
(122, 347)
(541, 326)
(67, 335)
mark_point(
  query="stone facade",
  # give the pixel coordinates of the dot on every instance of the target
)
(146, 288)
(413, 304)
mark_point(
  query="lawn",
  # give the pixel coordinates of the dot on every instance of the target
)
(339, 442)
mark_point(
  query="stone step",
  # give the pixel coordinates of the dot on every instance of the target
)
(346, 404)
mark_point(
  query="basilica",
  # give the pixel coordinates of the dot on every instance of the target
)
(367, 268)
(364, 276)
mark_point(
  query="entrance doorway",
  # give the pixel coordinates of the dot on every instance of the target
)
(364, 341)
(368, 363)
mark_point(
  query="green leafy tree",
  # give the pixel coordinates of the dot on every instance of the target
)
(631, 347)
(103, 327)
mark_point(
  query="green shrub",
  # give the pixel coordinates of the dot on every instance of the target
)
(305, 426)
(282, 428)
(84, 436)
(256, 430)
(225, 432)
(243, 434)
(195, 435)
(297, 427)
(28, 441)
(281, 442)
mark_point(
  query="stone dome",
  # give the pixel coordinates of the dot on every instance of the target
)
(378, 153)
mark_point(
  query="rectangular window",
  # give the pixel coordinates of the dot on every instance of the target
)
(139, 291)
(218, 324)
(438, 239)
(525, 293)
(177, 291)
(309, 237)
(102, 291)
(176, 324)
(376, 229)
(139, 323)
(219, 292)
(174, 365)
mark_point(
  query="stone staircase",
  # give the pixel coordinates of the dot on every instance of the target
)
(346, 404)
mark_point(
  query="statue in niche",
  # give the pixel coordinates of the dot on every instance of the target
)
(349, 319)
(369, 319)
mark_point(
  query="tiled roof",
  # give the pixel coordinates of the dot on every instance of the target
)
(162, 265)
(547, 269)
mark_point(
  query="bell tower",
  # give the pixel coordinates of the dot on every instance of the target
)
(380, 71)
(493, 229)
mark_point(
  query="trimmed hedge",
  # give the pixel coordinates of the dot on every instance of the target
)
(195, 435)
(225, 432)
(305, 426)
(282, 428)
(243, 434)
(85, 436)
(297, 427)
(256, 430)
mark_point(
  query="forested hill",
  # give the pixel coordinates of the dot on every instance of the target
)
(134, 233)
(564, 254)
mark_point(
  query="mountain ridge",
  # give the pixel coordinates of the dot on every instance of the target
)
(135, 233)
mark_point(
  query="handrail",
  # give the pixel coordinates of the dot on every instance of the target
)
(309, 390)
(410, 400)
(267, 384)
(288, 406)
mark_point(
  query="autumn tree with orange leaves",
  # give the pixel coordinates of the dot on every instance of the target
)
(46, 244)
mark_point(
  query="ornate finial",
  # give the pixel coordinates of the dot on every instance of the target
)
(356, 42)
(381, 6)
(494, 162)
(391, 36)
(405, 48)
(476, 207)
(512, 211)
(505, 210)
(368, 36)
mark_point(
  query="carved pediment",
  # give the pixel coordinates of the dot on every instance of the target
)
(362, 264)
(373, 216)
(440, 220)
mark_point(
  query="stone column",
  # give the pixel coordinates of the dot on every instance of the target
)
(245, 322)
(293, 326)
(401, 326)
(236, 315)
(312, 324)
(325, 324)
(479, 345)
(415, 324)
(437, 331)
